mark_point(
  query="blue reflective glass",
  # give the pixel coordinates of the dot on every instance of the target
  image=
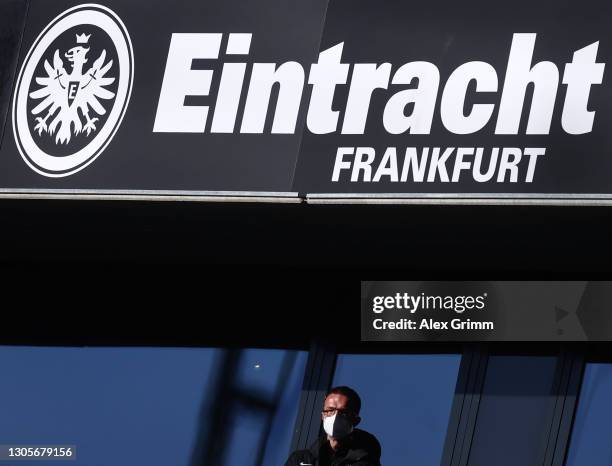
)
(515, 411)
(114, 404)
(153, 406)
(406, 402)
(262, 436)
(283, 423)
(591, 442)
(246, 430)
(259, 369)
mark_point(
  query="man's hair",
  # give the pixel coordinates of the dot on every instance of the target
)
(353, 400)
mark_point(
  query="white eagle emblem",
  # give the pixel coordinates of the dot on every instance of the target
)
(70, 92)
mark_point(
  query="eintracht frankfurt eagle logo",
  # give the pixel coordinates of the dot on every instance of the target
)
(72, 91)
(65, 94)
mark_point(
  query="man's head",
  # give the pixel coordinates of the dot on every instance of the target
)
(341, 411)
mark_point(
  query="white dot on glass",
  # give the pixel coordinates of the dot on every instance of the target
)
(257, 366)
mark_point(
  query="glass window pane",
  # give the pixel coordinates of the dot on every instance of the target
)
(283, 424)
(515, 411)
(406, 402)
(153, 406)
(112, 403)
(259, 369)
(246, 431)
(591, 441)
(249, 425)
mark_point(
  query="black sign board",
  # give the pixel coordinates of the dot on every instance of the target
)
(124, 96)
(341, 98)
(468, 99)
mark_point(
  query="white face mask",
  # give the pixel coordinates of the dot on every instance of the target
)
(337, 426)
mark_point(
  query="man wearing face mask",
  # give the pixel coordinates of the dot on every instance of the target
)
(342, 444)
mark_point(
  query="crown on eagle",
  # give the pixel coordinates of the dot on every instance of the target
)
(82, 38)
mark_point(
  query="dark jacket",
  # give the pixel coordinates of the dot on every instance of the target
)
(358, 449)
